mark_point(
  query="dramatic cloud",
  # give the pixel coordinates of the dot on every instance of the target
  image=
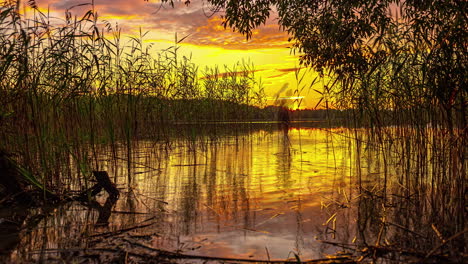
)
(212, 33)
(196, 20)
(181, 19)
(206, 39)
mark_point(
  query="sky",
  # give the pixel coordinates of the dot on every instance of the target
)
(206, 41)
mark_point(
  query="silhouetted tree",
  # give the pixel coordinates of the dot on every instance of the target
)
(419, 45)
(343, 35)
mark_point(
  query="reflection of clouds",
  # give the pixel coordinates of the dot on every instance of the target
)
(291, 98)
(254, 244)
(282, 237)
(288, 215)
(251, 245)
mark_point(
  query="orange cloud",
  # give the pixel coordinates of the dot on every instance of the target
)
(195, 20)
(226, 74)
(283, 72)
(214, 34)
(288, 69)
(209, 42)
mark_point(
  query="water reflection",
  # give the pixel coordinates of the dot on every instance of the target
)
(241, 195)
(263, 194)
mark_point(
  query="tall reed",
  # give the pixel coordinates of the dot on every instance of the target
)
(70, 87)
(412, 103)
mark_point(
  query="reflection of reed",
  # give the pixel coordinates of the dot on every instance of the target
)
(216, 181)
(412, 190)
(11, 223)
(284, 160)
(256, 186)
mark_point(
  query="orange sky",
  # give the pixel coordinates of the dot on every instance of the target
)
(207, 41)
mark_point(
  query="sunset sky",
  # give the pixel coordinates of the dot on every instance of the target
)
(207, 41)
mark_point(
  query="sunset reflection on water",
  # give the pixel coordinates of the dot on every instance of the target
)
(242, 196)
(259, 195)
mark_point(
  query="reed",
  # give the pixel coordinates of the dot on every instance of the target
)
(70, 87)
(412, 106)
(72, 90)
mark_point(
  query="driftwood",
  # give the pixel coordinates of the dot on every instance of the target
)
(103, 179)
(14, 187)
(103, 182)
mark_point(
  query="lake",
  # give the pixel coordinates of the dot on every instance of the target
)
(258, 194)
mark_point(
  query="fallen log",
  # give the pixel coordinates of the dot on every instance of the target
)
(103, 182)
(103, 179)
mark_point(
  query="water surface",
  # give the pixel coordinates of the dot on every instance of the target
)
(264, 194)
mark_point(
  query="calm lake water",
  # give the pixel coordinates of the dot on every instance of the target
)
(263, 194)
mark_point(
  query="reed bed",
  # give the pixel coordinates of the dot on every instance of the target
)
(72, 89)
(68, 87)
(412, 105)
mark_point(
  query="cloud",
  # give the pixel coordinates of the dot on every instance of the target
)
(283, 72)
(181, 19)
(196, 20)
(212, 33)
(227, 74)
(289, 69)
(109, 7)
(277, 75)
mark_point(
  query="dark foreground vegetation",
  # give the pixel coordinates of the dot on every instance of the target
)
(403, 62)
(67, 90)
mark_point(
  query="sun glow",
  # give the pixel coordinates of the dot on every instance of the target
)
(205, 41)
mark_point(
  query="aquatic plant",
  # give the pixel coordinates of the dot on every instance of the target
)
(69, 87)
